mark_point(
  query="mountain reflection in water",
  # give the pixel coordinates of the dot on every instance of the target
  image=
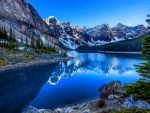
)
(60, 84)
(19, 87)
(103, 64)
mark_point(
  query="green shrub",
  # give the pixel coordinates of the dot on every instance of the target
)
(3, 61)
(132, 110)
(139, 89)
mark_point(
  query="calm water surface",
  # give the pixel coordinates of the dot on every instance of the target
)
(64, 83)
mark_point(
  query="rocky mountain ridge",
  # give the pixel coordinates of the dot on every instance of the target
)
(22, 17)
(73, 37)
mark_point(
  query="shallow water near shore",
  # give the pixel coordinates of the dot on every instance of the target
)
(64, 83)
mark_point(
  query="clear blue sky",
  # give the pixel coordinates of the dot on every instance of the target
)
(94, 12)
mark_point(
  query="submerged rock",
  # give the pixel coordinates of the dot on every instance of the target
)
(31, 110)
(35, 110)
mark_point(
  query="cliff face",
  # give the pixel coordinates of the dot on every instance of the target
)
(22, 17)
(16, 9)
(38, 21)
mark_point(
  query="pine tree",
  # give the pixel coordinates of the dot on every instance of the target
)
(17, 45)
(54, 49)
(41, 44)
(10, 34)
(38, 45)
(141, 88)
(1, 33)
(144, 67)
(10, 45)
(5, 34)
(14, 36)
(21, 40)
(27, 45)
(32, 42)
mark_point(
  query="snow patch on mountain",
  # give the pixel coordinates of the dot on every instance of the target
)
(73, 37)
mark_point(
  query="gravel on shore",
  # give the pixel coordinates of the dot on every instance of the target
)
(34, 63)
(119, 52)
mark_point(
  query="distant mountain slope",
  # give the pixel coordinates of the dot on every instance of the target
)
(75, 37)
(126, 45)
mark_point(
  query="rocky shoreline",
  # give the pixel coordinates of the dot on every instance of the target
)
(119, 52)
(34, 63)
(111, 98)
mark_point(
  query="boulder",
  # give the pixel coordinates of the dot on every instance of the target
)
(109, 88)
(131, 101)
(142, 104)
(121, 91)
(112, 97)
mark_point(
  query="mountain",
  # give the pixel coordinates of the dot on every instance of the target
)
(22, 17)
(71, 37)
(74, 37)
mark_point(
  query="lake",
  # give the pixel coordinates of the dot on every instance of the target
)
(64, 83)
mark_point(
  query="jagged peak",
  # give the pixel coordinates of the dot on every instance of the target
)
(120, 24)
(84, 27)
(105, 24)
(52, 17)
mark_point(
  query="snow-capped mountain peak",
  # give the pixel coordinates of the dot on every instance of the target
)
(73, 37)
(52, 20)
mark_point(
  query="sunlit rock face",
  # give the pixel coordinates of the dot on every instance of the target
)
(19, 87)
(74, 37)
(52, 21)
(128, 32)
(71, 37)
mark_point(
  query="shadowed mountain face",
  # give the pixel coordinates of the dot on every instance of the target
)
(73, 37)
(23, 17)
(18, 88)
(19, 14)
